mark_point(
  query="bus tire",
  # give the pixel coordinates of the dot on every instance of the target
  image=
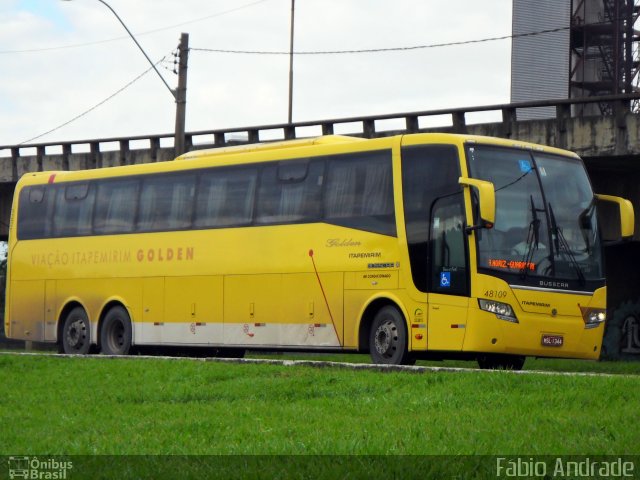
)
(619, 332)
(488, 361)
(388, 339)
(76, 333)
(115, 333)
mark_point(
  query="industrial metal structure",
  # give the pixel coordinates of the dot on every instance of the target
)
(575, 49)
(605, 49)
(540, 54)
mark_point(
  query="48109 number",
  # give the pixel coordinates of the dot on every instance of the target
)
(495, 293)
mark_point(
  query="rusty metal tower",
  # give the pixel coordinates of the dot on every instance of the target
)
(605, 54)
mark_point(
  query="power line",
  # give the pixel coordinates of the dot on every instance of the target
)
(201, 19)
(148, 32)
(94, 107)
(381, 50)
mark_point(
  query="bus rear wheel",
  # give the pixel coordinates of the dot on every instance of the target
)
(115, 333)
(76, 333)
(388, 342)
(490, 361)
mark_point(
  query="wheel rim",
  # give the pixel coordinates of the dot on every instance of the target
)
(386, 339)
(76, 335)
(116, 335)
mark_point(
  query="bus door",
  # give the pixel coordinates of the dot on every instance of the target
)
(449, 281)
(434, 217)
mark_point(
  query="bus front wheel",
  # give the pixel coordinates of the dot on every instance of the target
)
(115, 334)
(388, 342)
(76, 333)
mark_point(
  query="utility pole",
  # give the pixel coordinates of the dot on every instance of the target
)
(293, 14)
(181, 95)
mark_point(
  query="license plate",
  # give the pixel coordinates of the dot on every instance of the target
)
(552, 340)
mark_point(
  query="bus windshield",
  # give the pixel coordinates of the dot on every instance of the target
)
(546, 224)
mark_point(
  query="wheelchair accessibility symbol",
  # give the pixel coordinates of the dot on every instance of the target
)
(445, 279)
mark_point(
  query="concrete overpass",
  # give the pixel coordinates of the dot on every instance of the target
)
(608, 143)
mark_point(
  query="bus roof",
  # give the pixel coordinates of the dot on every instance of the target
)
(345, 140)
(260, 147)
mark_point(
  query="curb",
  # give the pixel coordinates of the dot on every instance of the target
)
(323, 364)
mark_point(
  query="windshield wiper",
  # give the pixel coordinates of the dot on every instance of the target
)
(533, 240)
(560, 243)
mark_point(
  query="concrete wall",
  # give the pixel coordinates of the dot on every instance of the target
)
(587, 136)
(11, 170)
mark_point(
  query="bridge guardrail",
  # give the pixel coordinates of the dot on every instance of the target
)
(618, 104)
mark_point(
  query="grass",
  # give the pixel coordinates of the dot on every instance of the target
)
(156, 418)
(85, 406)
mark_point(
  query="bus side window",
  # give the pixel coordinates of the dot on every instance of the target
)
(448, 252)
(166, 202)
(116, 202)
(35, 212)
(73, 209)
(290, 192)
(226, 197)
(359, 192)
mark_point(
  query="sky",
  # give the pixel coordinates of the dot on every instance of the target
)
(61, 58)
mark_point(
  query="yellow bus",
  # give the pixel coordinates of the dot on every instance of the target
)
(406, 247)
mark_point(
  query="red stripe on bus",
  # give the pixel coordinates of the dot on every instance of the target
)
(326, 302)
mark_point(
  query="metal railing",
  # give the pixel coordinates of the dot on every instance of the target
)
(223, 137)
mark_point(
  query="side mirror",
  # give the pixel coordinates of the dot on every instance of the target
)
(486, 200)
(627, 217)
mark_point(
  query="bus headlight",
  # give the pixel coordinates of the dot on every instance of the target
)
(501, 310)
(593, 316)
